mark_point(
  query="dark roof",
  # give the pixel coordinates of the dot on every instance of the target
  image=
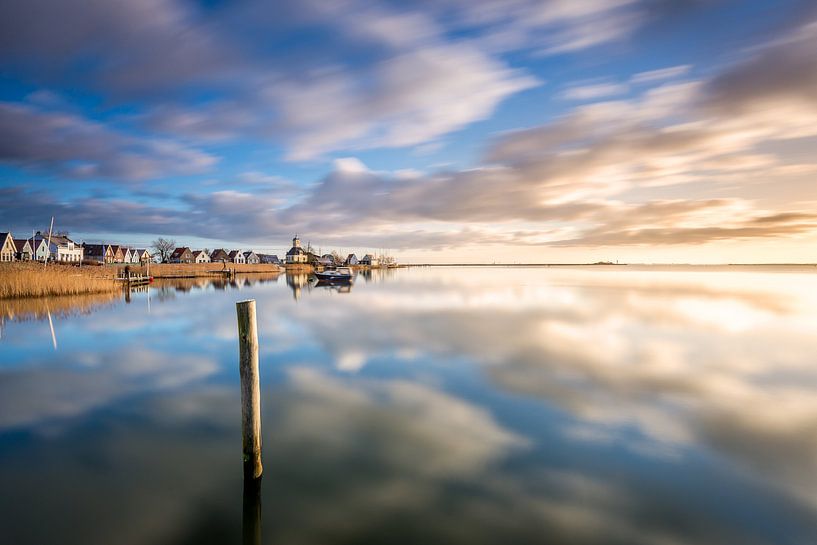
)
(95, 249)
(296, 250)
(178, 252)
(233, 253)
(20, 243)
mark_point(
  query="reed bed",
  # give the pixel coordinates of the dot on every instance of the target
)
(33, 280)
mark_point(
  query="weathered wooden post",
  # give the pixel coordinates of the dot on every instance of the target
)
(250, 390)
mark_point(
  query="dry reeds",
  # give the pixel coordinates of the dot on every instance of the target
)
(34, 280)
(22, 309)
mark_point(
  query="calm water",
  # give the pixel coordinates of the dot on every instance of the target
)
(432, 405)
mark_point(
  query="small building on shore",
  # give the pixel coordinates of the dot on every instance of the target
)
(101, 253)
(7, 247)
(236, 256)
(181, 255)
(296, 254)
(63, 249)
(118, 254)
(270, 259)
(251, 258)
(143, 256)
(40, 248)
(351, 259)
(219, 256)
(370, 260)
(200, 256)
(126, 255)
(326, 260)
(23, 250)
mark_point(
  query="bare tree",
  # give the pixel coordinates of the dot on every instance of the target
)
(164, 247)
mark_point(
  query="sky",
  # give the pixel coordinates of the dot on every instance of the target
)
(444, 131)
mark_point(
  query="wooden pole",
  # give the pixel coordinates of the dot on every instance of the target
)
(250, 390)
(251, 513)
(48, 247)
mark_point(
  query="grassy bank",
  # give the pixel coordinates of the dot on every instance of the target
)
(34, 280)
(194, 270)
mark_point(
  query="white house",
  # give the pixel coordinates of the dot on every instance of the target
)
(296, 254)
(126, 255)
(62, 248)
(251, 258)
(39, 247)
(236, 256)
(7, 247)
(200, 256)
(142, 256)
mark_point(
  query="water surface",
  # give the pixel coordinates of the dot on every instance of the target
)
(430, 405)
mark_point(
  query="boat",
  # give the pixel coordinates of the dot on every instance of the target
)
(339, 275)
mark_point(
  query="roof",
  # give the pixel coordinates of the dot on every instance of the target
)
(142, 251)
(296, 250)
(350, 256)
(234, 253)
(196, 253)
(250, 252)
(95, 249)
(178, 252)
(20, 243)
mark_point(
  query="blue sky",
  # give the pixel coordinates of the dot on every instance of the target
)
(520, 131)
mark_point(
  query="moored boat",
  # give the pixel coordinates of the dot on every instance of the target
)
(341, 274)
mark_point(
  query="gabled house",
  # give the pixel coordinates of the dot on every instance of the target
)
(62, 248)
(326, 260)
(142, 256)
(351, 259)
(126, 255)
(118, 254)
(181, 255)
(7, 247)
(370, 260)
(296, 254)
(200, 256)
(236, 256)
(23, 250)
(101, 253)
(39, 247)
(251, 258)
(219, 256)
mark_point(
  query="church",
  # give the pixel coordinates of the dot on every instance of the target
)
(296, 254)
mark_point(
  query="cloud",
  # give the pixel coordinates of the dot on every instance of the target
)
(660, 74)
(406, 100)
(80, 148)
(593, 91)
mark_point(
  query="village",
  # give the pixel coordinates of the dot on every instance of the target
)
(59, 248)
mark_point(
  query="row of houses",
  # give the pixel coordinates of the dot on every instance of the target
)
(184, 254)
(298, 255)
(58, 247)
